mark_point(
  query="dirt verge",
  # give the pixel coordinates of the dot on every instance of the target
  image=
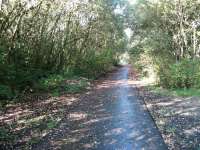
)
(177, 118)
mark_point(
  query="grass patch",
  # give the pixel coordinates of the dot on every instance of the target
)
(55, 93)
(56, 84)
(186, 92)
(76, 87)
(175, 92)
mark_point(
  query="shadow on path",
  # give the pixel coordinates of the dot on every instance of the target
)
(109, 118)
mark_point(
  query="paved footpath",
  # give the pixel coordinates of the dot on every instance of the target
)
(111, 117)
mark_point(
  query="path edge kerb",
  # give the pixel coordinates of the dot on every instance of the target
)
(133, 75)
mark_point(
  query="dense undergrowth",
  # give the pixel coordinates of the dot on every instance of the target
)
(72, 81)
(50, 50)
(44, 43)
(183, 74)
(179, 78)
(167, 42)
(173, 92)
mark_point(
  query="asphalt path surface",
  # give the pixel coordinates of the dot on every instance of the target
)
(111, 117)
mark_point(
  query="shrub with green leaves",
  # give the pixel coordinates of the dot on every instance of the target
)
(62, 83)
(5, 91)
(95, 64)
(183, 74)
(75, 88)
(51, 82)
(42, 38)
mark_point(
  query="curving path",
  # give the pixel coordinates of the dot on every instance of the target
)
(111, 117)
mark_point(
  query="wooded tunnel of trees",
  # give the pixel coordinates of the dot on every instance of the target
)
(40, 39)
(52, 52)
(167, 33)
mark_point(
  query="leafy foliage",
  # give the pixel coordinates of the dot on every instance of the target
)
(5, 91)
(57, 83)
(41, 38)
(184, 74)
(95, 65)
(174, 92)
(167, 33)
(52, 82)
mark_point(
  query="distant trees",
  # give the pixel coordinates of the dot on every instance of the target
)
(168, 32)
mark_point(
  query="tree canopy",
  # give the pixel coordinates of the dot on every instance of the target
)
(168, 32)
(39, 37)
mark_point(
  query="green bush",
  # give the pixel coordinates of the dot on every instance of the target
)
(17, 79)
(95, 64)
(183, 74)
(75, 88)
(62, 82)
(51, 82)
(5, 91)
